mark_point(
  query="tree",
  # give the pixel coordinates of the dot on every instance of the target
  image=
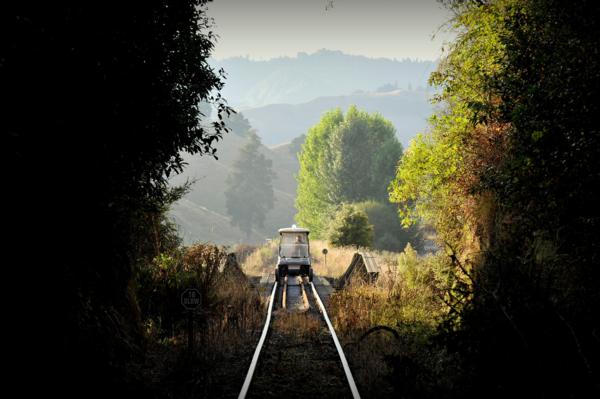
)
(345, 158)
(508, 176)
(350, 226)
(238, 124)
(101, 100)
(388, 232)
(249, 193)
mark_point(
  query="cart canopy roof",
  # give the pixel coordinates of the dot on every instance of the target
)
(293, 229)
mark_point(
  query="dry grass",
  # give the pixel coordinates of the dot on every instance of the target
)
(386, 328)
(304, 325)
(226, 327)
(225, 336)
(335, 263)
(239, 312)
(242, 251)
(264, 259)
(398, 359)
(384, 364)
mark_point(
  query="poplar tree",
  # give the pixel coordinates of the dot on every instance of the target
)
(345, 159)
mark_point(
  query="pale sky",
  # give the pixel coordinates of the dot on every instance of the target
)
(263, 29)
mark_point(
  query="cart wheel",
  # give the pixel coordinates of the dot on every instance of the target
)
(277, 275)
(310, 275)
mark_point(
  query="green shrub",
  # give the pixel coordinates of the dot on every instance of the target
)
(350, 227)
(388, 232)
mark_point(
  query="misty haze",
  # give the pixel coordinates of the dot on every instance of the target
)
(302, 199)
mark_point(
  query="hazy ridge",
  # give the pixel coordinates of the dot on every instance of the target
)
(282, 98)
(202, 216)
(294, 80)
(407, 110)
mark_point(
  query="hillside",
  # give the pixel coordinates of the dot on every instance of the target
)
(407, 110)
(282, 98)
(294, 80)
(202, 215)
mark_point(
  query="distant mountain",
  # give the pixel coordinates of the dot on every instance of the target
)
(407, 110)
(202, 216)
(282, 98)
(294, 80)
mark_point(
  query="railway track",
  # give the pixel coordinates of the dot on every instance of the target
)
(298, 353)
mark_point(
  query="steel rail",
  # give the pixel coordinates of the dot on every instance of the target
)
(284, 293)
(305, 301)
(349, 377)
(261, 341)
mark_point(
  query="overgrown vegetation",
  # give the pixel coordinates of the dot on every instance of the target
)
(101, 101)
(333, 264)
(389, 329)
(262, 260)
(230, 313)
(508, 176)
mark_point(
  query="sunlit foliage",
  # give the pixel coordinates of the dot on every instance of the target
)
(350, 227)
(345, 158)
(507, 174)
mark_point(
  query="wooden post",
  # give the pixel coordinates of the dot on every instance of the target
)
(190, 300)
(190, 328)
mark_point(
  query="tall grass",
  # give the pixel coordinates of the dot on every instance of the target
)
(226, 323)
(389, 329)
(334, 264)
(262, 260)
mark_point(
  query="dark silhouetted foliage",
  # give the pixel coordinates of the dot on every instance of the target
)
(101, 98)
